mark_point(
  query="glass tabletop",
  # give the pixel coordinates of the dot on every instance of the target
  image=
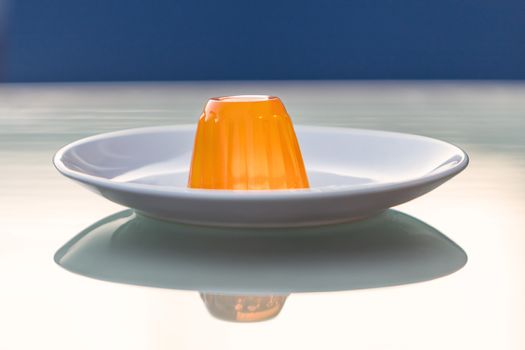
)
(398, 281)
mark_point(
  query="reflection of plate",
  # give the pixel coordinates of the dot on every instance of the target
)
(245, 275)
(353, 174)
(390, 249)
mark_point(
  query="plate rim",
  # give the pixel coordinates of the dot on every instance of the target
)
(181, 192)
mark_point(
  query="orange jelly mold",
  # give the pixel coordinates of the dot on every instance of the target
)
(246, 143)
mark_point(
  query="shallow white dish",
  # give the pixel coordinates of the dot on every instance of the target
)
(353, 174)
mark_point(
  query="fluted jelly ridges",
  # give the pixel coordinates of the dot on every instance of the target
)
(246, 143)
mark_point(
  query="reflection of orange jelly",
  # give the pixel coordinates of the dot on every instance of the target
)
(243, 308)
(246, 143)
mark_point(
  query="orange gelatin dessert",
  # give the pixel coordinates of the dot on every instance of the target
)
(246, 143)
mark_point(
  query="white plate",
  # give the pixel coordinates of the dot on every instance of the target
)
(353, 174)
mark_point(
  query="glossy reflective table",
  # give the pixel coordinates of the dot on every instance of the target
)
(339, 288)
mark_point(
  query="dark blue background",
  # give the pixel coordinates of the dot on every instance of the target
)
(68, 40)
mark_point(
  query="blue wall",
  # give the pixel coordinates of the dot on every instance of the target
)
(68, 40)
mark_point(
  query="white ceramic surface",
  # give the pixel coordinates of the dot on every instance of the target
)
(353, 174)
